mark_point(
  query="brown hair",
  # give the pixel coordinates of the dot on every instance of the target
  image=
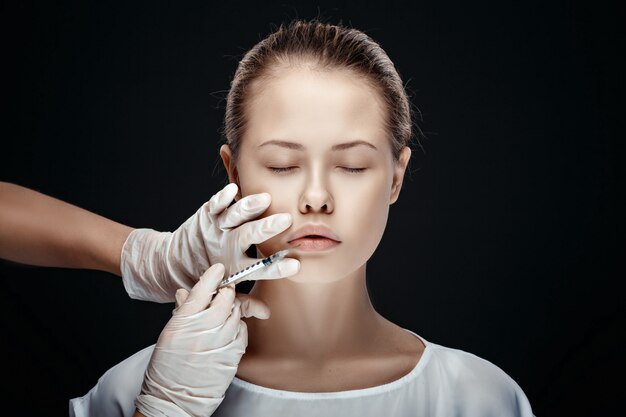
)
(327, 46)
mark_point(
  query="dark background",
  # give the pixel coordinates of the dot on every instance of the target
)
(504, 241)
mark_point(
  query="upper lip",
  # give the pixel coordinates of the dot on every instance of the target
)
(313, 230)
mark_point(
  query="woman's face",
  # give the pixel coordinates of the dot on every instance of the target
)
(316, 142)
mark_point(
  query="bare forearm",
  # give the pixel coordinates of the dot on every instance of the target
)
(37, 229)
(138, 414)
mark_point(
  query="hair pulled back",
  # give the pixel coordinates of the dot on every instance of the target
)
(326, 46)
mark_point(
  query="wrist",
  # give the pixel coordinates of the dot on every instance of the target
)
(142, 258)
(108, 257)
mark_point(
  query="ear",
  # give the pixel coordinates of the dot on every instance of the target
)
(231, 169)
(398, 173)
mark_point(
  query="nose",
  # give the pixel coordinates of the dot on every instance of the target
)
(316, 197)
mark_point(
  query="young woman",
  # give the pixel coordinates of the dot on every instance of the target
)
(317, 116)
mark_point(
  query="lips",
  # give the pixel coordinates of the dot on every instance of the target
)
(313, 237)
(320, 243)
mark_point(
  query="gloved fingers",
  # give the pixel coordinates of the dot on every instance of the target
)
(222, 304)
(214, 317)
(283, 268)
(244, 210)
(222, 199)
(243, 332)
(253, 307)
(259, 231)
(241, 338)
(180, 296)
(232, 323)
(202, 292)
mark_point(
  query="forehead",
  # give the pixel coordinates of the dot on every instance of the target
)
(315, 108)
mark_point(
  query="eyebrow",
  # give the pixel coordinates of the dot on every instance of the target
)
(299, 147)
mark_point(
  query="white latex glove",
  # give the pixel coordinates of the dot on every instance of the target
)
(198, 351)
(155, 264)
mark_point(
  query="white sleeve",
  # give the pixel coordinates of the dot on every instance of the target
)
(488, 391)
(498, 395)
(114, 394)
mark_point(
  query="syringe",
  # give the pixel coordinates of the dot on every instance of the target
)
(238, 276)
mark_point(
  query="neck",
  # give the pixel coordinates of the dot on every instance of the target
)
(313, 321)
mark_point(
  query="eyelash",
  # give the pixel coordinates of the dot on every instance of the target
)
(285, 170)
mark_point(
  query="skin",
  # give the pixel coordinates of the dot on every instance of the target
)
(36, 229)
(324, 334)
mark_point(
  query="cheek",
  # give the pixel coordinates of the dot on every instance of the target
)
(368, 213)
(255, 178)
(282, 199)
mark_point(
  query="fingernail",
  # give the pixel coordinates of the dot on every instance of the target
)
(288, 267)
(283, 220)
(227, 194)
(219, 268)
(231, 186)
(257, 200)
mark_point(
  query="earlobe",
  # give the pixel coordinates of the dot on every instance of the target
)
(230, 167)
(398, 176)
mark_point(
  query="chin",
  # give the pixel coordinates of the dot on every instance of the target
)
(319, 270)
(308, 279)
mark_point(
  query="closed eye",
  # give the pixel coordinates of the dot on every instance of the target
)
(355, 170)
(281, 170)
(288, 169)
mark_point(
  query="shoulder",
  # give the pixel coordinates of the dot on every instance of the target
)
(481, 387)
(115, 392)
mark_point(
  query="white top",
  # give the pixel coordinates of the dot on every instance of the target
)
(445, 382)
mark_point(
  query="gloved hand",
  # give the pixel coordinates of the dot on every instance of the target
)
(155, 264)
(198, 351)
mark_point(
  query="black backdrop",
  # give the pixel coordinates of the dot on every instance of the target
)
(504, 241)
